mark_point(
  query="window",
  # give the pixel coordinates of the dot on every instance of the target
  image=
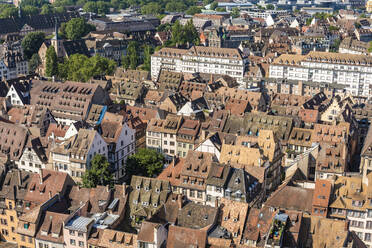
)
(81, 244)
(11, 219)
(72, 233)
(80, 234)
(72, 242)
(369, 225)
(367, 237)
(192, 193)
(200, 195)
(25, 226)
(165, 142)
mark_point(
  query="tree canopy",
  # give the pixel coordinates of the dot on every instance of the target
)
(131, 60)
(76, 28)
(81, 68)
(34, 62)
(31, 43)
(98, 173)
(182, 35)
(51, 63)
(146, 162)
(7, 10)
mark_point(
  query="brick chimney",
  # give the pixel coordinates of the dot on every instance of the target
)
(124, 185)
(179, 201)
(41, 176)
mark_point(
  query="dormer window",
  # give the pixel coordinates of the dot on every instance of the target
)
(138, 187)
(226, 218)
(147, 188)
(155, 205)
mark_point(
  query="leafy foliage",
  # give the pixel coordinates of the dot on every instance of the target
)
(192, 10)
(99, 173)
(76, 28)
(30, 10)
(151, 8)
(235, 13)
(99, 7)
(34, 3)
(146, 162)
(34, 62)
(370, 47)
(31, 43)
(182, 35)
(81, 68)
(7, 10)
(47, 9)
(131, 60)
(51, 63)
(147, 57)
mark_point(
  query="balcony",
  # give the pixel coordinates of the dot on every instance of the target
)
(277, 229)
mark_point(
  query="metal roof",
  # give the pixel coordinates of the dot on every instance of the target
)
(79, 223)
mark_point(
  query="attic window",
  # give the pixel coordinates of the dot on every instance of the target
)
(26, 226)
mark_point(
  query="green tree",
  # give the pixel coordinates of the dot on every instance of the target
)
(81, 68)
(7, 11)
(146, 162)
(131, 60)
(103, 7)
(47, 9)
(190, 34)
(335, 45)
(206, 2)
(98, 173)
(76, 28)
(31, 43)
(177, 34)
(370, 47)
(90, 7)
(34, 3)
(30, 10)
(270, 6)
(147, 51)
(214, 5)
(220, 9)
(357, 25)
(175, 6)
(34, 62)
(235, 13)
(51, 63)
(192, 10)
(151, 8)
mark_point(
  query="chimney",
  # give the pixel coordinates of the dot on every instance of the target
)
(19, 177)
(124, 188)
(346, 225)
(50, 194)
(41, 176)
(179, 201)
(107, 188)
(216, 203)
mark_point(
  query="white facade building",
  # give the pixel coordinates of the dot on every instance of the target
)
(74, 155)
(353, 71)
(224, 61)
